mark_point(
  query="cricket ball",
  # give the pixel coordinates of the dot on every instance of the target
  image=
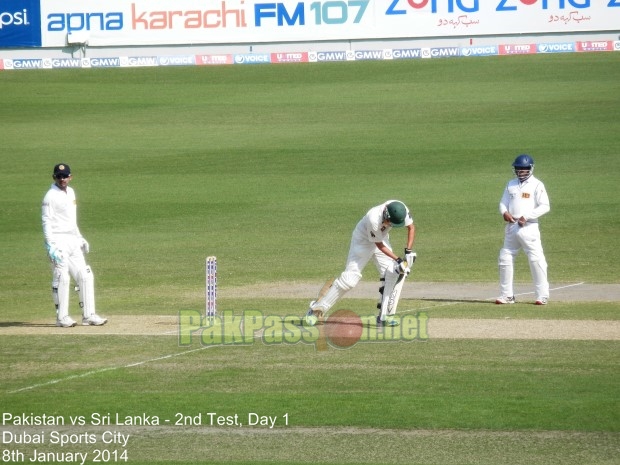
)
(343, 328)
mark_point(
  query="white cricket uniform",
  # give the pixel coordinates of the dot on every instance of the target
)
(369, 230)
(59, 218)
(526, 199)
(60, 215)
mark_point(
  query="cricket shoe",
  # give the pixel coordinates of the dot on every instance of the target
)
(505, 300)
(313, 317)
(66, 322)
(391, 321)
(94, 320)
(541, 301)
(309, 317)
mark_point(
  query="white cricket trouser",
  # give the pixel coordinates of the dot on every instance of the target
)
(361, 251)
(526, 238)
(73, 265)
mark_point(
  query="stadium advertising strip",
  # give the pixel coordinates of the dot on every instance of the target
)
(307, 57)
(49, 23)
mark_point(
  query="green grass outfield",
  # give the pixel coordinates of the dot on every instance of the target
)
(269, 168)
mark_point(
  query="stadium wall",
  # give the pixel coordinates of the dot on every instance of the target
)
(52, 34)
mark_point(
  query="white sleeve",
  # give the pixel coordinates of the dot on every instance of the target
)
(47, 213)
(504, 202)
(542, 202)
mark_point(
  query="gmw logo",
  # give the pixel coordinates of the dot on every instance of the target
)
(341, 329)
(19, 18)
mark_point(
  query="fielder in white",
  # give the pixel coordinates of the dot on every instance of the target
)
(66, 248)
(524, 201)
(371, 241)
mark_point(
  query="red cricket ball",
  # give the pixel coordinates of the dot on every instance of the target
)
(343, 328)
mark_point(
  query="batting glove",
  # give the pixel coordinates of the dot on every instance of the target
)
(410, 257)
(401, 266)
(85, 246)
(54, 253)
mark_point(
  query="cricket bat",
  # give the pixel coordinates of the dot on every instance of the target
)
(321, 343)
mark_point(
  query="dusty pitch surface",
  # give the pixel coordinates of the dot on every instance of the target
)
(435, 293)
(438, 328)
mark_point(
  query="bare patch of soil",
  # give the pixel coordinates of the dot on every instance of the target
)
(438, 328)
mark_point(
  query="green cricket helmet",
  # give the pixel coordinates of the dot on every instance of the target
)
(395, 212)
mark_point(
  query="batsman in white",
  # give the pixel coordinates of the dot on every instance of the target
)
(66, 248)
(371, 240)
(524, 201)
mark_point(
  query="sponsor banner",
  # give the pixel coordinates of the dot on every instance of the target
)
(214, 59)
(161, 22)
(318, 57)
(112, 62)
(364, 55)
(60, 63)
(483, 50)
(23, 63)
(596, 46)
(518, 49)
(251, 58)
(441, 52)
(289, 57)
(406, 53)
(305, 57)
(137, 62)
(177, 60)
(562, 47)
(20, 23)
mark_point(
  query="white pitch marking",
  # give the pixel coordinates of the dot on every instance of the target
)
(555, 288)
(447, 304)
(103, 370)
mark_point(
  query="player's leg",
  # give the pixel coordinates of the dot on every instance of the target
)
(532, 246)
(347, 280)
(506, 261)
(360, 253)
(61, 283)
(382, 263)
(85, 280)
(393, 282)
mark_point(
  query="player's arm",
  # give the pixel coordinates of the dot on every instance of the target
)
(55, 254)
(410, 236)
(503, 207)
(542, 203)
(47, 220)
(386, 250)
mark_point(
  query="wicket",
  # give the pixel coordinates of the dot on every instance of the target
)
(211, 286)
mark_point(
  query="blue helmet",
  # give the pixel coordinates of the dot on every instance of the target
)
(523, 166)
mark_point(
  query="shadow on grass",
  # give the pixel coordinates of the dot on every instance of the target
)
(25, 324)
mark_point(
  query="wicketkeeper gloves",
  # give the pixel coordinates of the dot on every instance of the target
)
(54, 253)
